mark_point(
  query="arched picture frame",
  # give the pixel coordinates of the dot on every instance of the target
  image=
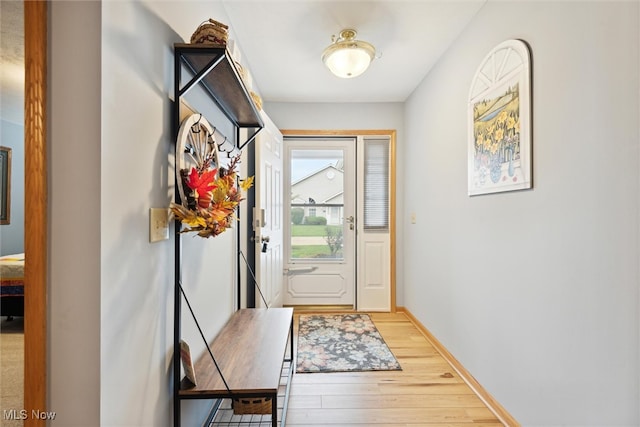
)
(499, 146)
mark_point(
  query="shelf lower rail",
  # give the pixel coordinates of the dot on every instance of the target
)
(224, 416)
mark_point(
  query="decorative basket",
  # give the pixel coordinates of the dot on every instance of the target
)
(252, 405)
(241, 71)
(256, 99)
(211, 31)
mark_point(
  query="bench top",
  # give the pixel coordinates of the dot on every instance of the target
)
(249, 350)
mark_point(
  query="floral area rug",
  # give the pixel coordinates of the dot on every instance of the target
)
(342, 343)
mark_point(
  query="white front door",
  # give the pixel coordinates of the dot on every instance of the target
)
(268, 216)
(320, 248)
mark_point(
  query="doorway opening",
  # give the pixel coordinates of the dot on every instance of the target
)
(339, 216)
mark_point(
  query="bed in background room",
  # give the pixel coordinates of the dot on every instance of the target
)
(12, 285)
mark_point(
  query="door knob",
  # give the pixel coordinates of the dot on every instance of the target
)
(264, 240)
(350, 219)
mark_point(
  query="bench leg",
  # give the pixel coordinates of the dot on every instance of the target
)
(291, 334)
(274, 410)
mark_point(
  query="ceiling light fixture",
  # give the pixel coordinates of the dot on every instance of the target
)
(347, 57)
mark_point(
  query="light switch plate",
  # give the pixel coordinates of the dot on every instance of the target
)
(158, 224)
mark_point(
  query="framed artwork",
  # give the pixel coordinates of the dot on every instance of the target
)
(499, 145)
(5, 185)
(187, 362)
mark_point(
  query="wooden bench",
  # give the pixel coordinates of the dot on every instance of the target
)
(250, 350)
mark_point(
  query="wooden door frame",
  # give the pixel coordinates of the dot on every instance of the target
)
(35, 228)
(391, 133)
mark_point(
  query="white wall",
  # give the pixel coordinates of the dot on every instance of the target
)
(112, 145)
(12, 122)
(74, 144)
(544, 314)
(536, 292)
(353, 116)
(12, 234)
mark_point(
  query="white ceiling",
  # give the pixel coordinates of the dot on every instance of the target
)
(282, 41)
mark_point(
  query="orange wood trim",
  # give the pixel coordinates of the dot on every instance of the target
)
(35, 242)
(311, 132)
(391, 133)
(392, 220)
(493, 405)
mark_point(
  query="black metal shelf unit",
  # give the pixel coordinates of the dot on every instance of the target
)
(211, 68)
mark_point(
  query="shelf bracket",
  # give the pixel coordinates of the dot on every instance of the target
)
(250, 138)
(197, 77)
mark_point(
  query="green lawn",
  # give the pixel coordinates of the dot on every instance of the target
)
(312, 251)
(312, 230)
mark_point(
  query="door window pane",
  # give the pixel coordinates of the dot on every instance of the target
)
(316, 187)
(376, 184)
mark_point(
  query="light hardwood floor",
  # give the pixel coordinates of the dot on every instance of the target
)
(427, 392)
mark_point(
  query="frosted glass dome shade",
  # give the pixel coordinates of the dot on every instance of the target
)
(348, 57)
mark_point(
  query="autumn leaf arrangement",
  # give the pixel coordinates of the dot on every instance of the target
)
(212, 196)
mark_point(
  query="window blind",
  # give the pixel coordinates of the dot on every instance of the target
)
(376, 184)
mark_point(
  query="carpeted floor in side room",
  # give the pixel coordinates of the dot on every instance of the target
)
(11, 370)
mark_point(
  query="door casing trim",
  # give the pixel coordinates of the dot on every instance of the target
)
(36, 192)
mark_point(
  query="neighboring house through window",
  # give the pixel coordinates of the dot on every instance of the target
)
(322, 187)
